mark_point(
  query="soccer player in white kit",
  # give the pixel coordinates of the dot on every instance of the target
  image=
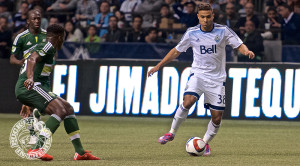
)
(208, 75)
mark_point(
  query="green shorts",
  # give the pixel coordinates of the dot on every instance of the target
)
(38, 97)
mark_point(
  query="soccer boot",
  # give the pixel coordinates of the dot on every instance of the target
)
(86, 156)
(207, 150)
(39, 154)
(166, 138)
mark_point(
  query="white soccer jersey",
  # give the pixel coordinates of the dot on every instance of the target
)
(209, 50)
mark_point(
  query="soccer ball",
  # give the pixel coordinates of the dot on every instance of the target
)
(195, 146)
(38, 126)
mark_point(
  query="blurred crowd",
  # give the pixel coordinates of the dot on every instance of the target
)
(153, 21)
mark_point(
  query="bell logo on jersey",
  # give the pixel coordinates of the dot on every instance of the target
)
(209, 50)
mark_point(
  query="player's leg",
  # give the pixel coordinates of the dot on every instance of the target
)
(191, 95)
(35, 114)
(72, 129)
(28, 114)
(213, 125)
(57, 113)
(182, 112)
(215, 101)
(180, 116)
(212, 128)
(45, 102)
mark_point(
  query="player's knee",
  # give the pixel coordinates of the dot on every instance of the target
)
(70, 110)
(217, 120)
(62, 113)
(188, 103)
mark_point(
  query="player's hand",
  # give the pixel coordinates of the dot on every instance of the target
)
(25, 111)
(29, 84)
(21, 62)
(250, 54)
(152, 71)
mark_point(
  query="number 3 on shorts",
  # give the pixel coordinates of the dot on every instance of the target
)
(221, 99)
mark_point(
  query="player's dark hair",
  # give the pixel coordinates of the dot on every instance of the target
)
(204, 6)
(55, 29)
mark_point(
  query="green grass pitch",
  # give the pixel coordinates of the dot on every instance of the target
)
(133, 141)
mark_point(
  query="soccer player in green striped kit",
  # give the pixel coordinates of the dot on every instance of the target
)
(23, 44)
(31, 90)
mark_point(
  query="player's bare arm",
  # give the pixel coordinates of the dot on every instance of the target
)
(31, 62)
(245, 51)
(15, 61)
(172, 54)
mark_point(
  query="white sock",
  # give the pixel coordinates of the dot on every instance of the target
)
(180, 116)
(212, 130)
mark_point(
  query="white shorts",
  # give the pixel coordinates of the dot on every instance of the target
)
(214, 93)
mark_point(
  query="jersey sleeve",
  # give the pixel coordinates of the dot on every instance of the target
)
(17, 46)
(44, 49)
(232, 38)
(184, 43)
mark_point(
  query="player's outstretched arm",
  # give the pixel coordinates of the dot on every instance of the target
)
(172, 54)
(245, 51)
(31, 62)
(15, 61)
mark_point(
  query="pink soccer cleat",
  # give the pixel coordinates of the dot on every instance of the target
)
(166, 138)
(207, 150)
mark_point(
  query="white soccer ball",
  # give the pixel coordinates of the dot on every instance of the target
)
(38, 126)
(195, 146)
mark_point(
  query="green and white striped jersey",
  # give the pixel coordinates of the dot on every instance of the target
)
(25, 42)
(42, 69)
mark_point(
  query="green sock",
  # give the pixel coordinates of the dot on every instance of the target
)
(52, 124)
(72, 129)
(78, 146)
